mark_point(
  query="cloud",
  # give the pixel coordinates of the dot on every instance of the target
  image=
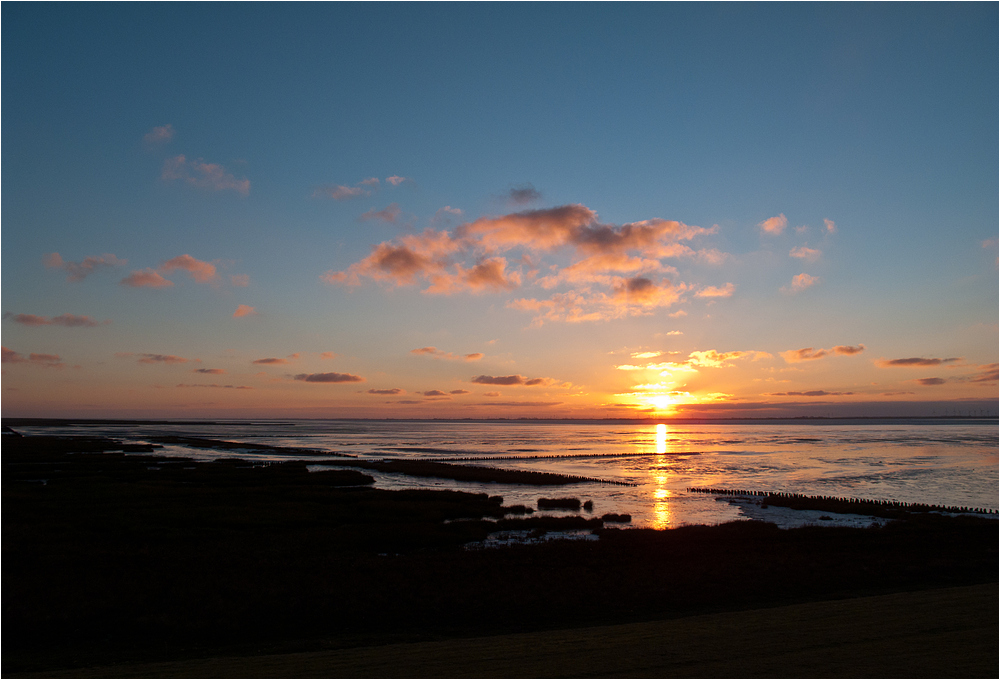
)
(445, 214)
(987, 373)
(459, 392)
(529, 404)
(812, 393)
(488, 275)
(522, 195)
(160, 359)
(697, 359)
(394, 390)
(338, 192)
(434, 393)
(801, 282)
(774, 225)
(240, 280)
(914, 362)
(926, 382)
(471, 259)
(200, 271)
(213, 385)
(831, 228)
(244, 310)
(9, 356)
(329, 377)
(208, 371)
(370, 182)
(715, 292)
(390, 214)
(146, 278)
(441, 354)
(804, 253)
(492, 394)
(78, 271)
(808, 353)
(512, 380)
(396, 180)
(499, 380)
(67, 320)
(270, 361)
(327, 355)
(211, 176)
(159, 135)
(645, 292)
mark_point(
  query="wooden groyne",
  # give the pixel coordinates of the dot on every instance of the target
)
(861, 506)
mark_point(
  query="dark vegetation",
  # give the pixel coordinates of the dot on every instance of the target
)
(861, 506)
(624, 518)
(558, 503)
(111, 557)
(221, 445)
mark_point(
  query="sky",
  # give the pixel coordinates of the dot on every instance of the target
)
(422, 210)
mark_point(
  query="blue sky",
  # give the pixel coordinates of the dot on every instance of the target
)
(880, 118)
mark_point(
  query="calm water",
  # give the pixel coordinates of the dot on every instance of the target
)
(937, 462)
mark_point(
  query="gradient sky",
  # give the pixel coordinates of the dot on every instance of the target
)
(468, 210)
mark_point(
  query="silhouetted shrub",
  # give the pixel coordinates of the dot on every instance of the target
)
(558, 503)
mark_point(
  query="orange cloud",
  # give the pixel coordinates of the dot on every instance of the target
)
(9, 356)
(329, 377)
(244, 310)
(208, 371)
(440, 354)
(512, 380)
(159, 135)
(914, 361)
(200, 271)
(390, 214)
(646, 293)
(270, 361)
(67, 320)
(434, 393)
(801, 282)
(831, 228)
(811, 393)
(459, 392)
(146, 278)
(78, 271)
(327, 355)
(804, 253)
(987, 373)
(808, 353)
(489, 274)
(538, 229)
(394, 390)
(716, 292)
(396, 180)
(927, 382)
(774, 225)
(228, 387)
(211, 176)
(240, 280)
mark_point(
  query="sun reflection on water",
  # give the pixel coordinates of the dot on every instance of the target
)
(662, 516)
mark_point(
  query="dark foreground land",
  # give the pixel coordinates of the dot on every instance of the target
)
(224, 569)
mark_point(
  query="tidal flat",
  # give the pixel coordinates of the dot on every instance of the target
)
(115, 556)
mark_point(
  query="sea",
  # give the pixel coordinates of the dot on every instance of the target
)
(641, 468)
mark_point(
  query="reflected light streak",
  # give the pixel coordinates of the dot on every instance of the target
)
(661, 438)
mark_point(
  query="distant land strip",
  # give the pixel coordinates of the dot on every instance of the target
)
(562, 455)
(200, 443)
(475, 473)
(864, 506)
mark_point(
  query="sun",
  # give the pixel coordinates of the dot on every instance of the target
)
(661, 402)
